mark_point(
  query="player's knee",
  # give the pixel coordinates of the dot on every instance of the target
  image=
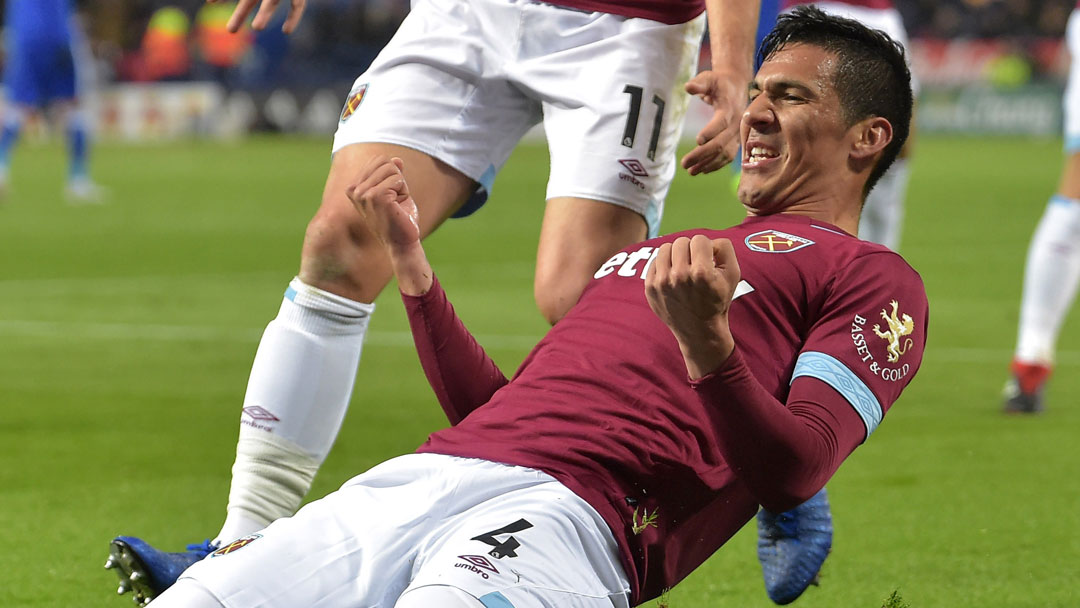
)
(341, 256)
(437, 595)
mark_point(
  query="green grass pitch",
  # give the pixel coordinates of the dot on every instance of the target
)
(127, 331)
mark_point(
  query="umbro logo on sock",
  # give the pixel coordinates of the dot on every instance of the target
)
(258, 412)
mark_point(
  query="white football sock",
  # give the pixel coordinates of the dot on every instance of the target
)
(1050, 280)
(296, 399)
(883, 213)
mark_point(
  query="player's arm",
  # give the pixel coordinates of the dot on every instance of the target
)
(459, 371)
(266, 12)
(783, 455)
(783, 452)
(732, 27)
(690, 286)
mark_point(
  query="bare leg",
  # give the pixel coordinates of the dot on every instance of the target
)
(577, 236)
(303, 373)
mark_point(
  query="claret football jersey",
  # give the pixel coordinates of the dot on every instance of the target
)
(604, 403)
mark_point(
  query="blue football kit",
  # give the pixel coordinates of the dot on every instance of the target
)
(40, 65)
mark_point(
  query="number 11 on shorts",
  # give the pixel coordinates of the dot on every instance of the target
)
(630, 131)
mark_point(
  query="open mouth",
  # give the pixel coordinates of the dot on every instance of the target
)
(757, 154)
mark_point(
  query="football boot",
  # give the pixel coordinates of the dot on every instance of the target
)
(146, 571)
(792, 546)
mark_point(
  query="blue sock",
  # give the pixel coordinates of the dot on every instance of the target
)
(77, 146)
(9, 136)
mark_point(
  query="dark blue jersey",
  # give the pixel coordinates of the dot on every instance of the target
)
(29, 21)
(40, 62)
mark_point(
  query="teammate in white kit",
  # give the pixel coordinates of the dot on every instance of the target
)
(451, 94)
(1052, 272)
(649, 424)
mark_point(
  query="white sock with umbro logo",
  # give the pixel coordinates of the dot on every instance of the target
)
(297, 395)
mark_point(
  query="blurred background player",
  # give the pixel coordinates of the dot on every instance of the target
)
(451, 95)
(1052, 271)
(41, 74)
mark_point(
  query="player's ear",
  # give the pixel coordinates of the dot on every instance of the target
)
(871, 135)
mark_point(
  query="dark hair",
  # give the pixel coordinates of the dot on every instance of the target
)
(871, 76)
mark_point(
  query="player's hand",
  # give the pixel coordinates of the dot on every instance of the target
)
(718, 141)
(382, 198)
(690, 286)
(266, 12)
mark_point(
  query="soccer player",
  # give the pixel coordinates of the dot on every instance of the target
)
(699, 375)
(41, 73)
(451, 95)
(793, 545)
(1052, 271)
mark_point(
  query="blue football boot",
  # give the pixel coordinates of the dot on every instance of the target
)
(146, 571)
(792, 546)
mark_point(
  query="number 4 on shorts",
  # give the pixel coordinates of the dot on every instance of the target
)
(507, 547)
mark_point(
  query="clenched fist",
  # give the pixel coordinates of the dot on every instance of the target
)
(690, 287)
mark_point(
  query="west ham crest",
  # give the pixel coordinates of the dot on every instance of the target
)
(237, 544)
(356, 97)
(774, 241)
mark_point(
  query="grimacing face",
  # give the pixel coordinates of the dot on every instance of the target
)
(793, 133)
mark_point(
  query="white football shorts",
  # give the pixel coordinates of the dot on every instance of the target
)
(1071, 100)
(509, 536)
(886, 20)
(463, 80)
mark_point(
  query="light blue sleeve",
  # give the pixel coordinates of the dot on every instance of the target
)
(831, 371)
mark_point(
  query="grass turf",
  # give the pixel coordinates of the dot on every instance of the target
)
(127, 331)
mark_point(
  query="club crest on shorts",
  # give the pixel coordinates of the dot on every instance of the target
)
(774, 241)
(236, 545)
(356, 97)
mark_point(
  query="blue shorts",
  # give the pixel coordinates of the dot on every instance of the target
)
(39, 72)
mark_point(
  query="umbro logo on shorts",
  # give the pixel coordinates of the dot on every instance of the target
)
(635, 167)
(636, 170)
(478, 564)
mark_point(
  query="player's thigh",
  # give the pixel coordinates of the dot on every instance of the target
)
(534, 547)
(577, 236)
(340, 252)
(355, 547)
(1069, 185)
(437, 595)
(187, 593)
(440, 87)
(1070, 176)
(61, 81)
(23, 73)
(614, 109)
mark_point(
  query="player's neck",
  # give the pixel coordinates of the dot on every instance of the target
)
(839, 212)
